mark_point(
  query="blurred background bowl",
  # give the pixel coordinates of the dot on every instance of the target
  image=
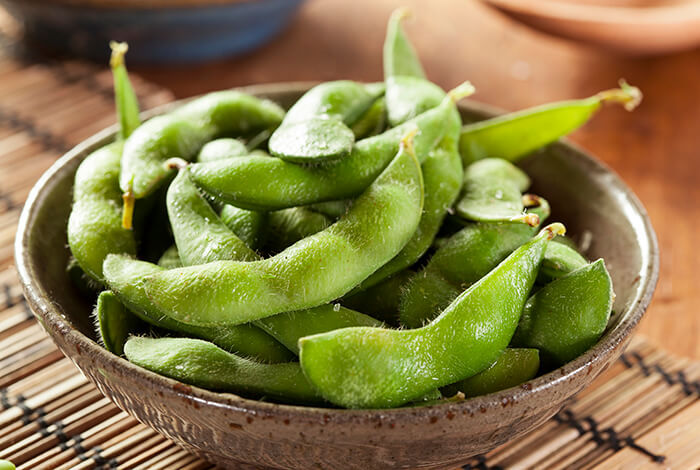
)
(632, 27)
(162, 31)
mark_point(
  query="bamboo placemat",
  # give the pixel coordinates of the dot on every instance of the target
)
(644, 412)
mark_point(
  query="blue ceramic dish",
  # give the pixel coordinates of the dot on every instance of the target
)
(157, 31)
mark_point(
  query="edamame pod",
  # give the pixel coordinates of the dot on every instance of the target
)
(288, 226)
(515, 135)
(366, 367)
(372, 122)
(126, 277)
(492, 193)
(400, 57)
(261, 183)
(94, 225)
(559, 260)
(568, 315)
(313, 271)
(465, 258)
(513, 367)
(6, 465)
(182, 133)
(317, 128)
(288, 327)
(114, 322)
(442, 179)
(332, 209)
(200, 235)
(124, 96)
(381, 300)
(170, 259)
(220, 149)
(249, 226)
(203, 364)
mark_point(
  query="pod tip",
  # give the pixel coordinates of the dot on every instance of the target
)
(627, 95)
(175, 163)
(407, 140)
(401, 14)
(461, 91)
(531, 200)
(119, 49)
(531, 219)
(552, 230)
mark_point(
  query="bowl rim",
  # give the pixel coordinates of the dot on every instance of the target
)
(52, 319)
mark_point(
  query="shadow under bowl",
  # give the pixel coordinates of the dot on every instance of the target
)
(236, 432)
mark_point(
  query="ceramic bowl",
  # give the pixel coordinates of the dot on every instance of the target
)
(158, 31)
(236, 432)
(632, 27)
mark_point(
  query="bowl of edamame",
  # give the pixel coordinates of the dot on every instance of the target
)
(338, 275)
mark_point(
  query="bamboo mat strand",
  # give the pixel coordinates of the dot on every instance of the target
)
(644, 412)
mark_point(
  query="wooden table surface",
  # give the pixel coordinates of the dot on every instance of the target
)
(656, 149)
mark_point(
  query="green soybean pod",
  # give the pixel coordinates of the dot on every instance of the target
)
(514, 135)
(373, 122)
(514, 367)
(218, 149)
(114, 322)
(94, 225)
(288, 327)
(313, 271)
(124, 95)
(364, 367)
(442, 179)
(6, 465)
(126, 277)
(317, 128)
(568, 315)
(332, 209)
(381, 300)
(492, 193)
(170, 259)
(288, 226)
(261, 183)
(200, 235)
(559, 260)
(203, 364)
(400, 57)
(182, 133)
(249, 226)
(465, 258)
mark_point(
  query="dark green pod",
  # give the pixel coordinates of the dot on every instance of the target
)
(205, 365)
(288, 327)
(126, 281)
(513, 367)
(465, 258)
(200, 235)
(249, 226)
(568, 315)
(365, 367)
(95, 223)
(114, 322)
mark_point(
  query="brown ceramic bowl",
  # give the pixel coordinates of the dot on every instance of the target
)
(236, 432)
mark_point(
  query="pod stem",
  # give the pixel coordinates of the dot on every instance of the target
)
(629, 96)
(461, 91)
(401, 14)
(175, 163)
(531, 200)
(533, 220)
(552, 230)
(407, 141)
(128, 209)
(119, 49)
